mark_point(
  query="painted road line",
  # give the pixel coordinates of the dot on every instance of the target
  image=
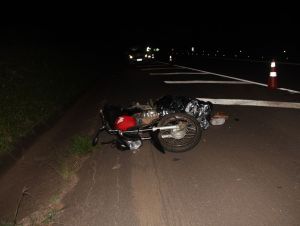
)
(238, 79)
(206, 82)
(290, 90)
(259, 103)
(179, 73)
(223, 76)
(149, 65)
(157, 68)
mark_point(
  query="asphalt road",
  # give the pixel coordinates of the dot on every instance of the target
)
(288, 73)
(245, 172)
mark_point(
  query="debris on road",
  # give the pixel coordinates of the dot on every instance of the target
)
(218, 119)
(117, 166)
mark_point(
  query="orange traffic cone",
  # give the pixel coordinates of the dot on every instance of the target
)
(272, 82)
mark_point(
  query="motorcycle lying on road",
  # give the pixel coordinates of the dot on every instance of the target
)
(174, 123)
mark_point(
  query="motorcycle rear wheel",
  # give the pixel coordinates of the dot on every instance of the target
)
(180, 140)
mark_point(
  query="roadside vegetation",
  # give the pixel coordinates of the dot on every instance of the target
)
(36, 85)
(68, 163)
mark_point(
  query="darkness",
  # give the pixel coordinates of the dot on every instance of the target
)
(110, 30)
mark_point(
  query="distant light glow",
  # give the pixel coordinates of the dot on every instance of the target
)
(273, 64)
(273, 74)
(139, 59)
(193, 49)
(148, 49)
(130, 57)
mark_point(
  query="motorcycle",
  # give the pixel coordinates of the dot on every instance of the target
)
(174, 123)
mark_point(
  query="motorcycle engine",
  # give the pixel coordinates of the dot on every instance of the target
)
(147, 116)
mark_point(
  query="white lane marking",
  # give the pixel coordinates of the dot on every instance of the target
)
(242, 80)
(157, 68)
(180, 73)
(224, 76)
(289, 90)
(149, 65)
(206, 82)
(260, 103)
(238, 79)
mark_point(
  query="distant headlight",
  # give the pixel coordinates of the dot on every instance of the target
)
(130, 56)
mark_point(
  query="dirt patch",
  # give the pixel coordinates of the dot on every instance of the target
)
(44, 167)
(46, 215)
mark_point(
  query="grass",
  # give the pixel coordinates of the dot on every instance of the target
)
(33, 88)
(50, 217)
(80, 145)
(69, 164)
(7, 224)
(54, 198)
(66, 170)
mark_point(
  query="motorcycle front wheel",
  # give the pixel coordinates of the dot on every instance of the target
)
(186, 137)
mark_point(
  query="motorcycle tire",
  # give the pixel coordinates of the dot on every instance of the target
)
(179, 141)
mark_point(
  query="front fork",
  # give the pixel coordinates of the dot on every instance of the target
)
(101, 129)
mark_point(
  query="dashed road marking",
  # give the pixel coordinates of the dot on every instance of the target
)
(180, 73)
(260, 103)
(223, 76)
(238, 79)
(149, 65)
(158, 68)
(206, 82)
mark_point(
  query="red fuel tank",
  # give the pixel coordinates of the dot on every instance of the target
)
(125, 122)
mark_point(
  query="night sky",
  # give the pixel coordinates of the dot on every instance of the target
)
(155, 24)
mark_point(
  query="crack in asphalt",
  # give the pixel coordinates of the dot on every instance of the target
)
(117, 205)
(94, 164)
(155, 167)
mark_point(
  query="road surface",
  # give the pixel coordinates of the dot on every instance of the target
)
(245, 172)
